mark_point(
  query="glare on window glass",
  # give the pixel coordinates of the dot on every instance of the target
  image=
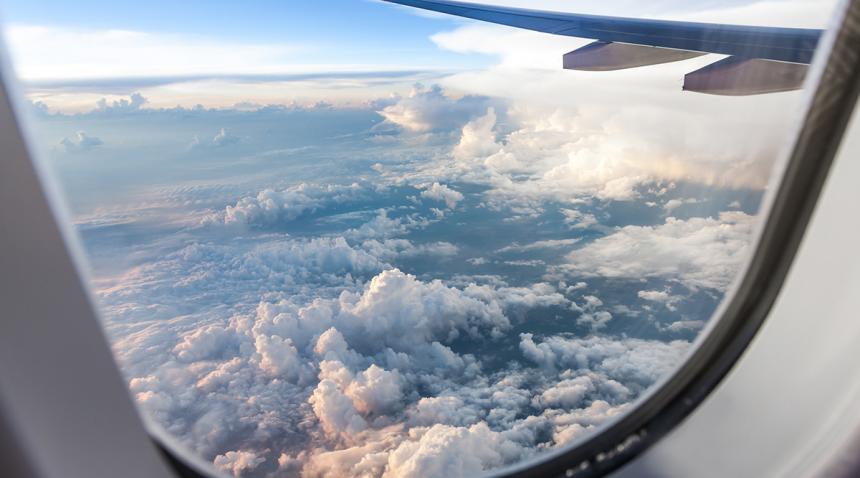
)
(349, 238)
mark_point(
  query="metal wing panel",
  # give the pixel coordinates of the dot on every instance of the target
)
(602, 56)
(795, 45)
(735, 76)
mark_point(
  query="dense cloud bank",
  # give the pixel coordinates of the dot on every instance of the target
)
(367, 384)
(331, 361)
(440, 285)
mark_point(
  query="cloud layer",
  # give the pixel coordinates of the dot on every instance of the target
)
(435, 282)
(439, 318)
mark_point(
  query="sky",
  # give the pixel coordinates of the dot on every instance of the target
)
(227, 37)
(127, 47)
(344, 238)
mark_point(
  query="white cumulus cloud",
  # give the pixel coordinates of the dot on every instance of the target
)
(80, 142)
(697, 252)
(442, 193)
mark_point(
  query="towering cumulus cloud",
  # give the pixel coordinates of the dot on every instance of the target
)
(430, 109)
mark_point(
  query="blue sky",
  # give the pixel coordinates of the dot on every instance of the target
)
(369, 22)
(334, 31)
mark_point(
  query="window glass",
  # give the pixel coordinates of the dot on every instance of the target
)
(349, 238)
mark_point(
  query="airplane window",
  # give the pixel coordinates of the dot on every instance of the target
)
(365, 239)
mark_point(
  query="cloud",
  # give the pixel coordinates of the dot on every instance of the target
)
(608, 138)
(592, 314)
(443, 451)
(318, 355)
(49, 52)
(80, 143)
(344, 402)
(634, 362)
(189, 279)
(121, 105)
(660, 296)
(382, 226)
(697, 252)
(208, 342)
(394, 308)
(450, 410)
(442, 193)
(429, 109)
(456, 442)
(324, 254)
(578, 220)
(356, 345)
(376, 391)
(514, 47)
(538, 245)
(578, 286)
(238, 462)
(392, 249)
(278, 357)
(673, 204)
(596, 321)
(369, 370)
(222, 139)
(600, 150)
(569, 426)
(336, 413)
(478, 138)
(686, 325)
(332, 347)
(566, 394)
(526, 263)
(270, 207)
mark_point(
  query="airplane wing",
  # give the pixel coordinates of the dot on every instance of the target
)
(760, 59)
